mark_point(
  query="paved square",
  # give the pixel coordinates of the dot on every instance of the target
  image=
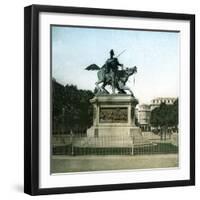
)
(62, 164)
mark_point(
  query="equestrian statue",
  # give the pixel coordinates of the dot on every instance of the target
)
(109, 74)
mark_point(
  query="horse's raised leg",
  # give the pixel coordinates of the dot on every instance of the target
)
(104, 89)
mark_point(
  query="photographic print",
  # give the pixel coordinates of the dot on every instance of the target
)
(114, 99)
(109, 99)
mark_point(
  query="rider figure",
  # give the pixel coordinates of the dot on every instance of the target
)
(112, 67)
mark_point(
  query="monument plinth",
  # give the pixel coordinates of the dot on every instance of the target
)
(114, 115)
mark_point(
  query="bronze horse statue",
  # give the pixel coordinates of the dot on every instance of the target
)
(121, 77)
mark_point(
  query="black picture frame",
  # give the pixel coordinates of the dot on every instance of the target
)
(31, 98)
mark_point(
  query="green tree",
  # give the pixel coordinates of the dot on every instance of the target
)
(165, 116)
(71, 108)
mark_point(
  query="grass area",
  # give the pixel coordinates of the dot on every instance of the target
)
(159, 148)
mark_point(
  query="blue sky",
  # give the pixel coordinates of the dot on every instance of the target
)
(156, 54)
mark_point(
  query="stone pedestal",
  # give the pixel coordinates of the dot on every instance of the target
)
(114, 115)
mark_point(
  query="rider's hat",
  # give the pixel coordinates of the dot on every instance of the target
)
(112, 52)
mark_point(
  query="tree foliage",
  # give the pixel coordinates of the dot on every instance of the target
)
(165, 116)
(72, 110)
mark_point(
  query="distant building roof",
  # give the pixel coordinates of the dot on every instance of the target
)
(159, 100)
(144, 107)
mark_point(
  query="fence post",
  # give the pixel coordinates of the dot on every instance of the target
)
(133, 140)
(72, 147)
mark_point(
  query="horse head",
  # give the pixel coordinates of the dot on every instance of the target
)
(131, 71)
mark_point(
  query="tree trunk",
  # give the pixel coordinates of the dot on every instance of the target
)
(165, 130)
(161, 133)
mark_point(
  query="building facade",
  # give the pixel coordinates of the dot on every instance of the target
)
(143, 111)
(157, 101)
(143, 117)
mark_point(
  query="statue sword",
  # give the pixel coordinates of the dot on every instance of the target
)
(121, 53)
